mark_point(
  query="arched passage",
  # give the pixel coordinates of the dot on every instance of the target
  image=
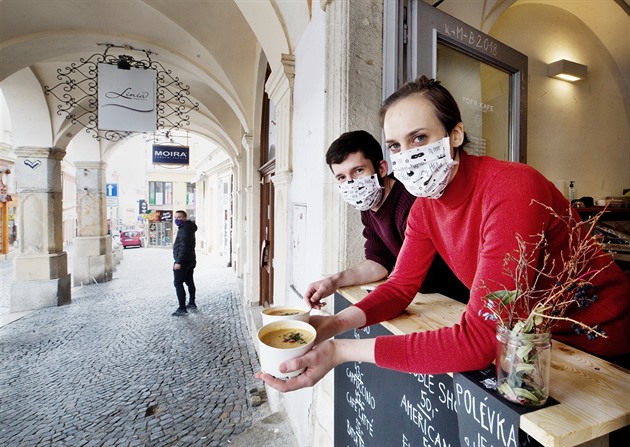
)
(221, 60)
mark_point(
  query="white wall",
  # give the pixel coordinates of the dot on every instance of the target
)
(309, 169)
(5, 122)
(575, 131)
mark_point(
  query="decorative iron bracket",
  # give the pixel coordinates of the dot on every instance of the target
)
(77, 92)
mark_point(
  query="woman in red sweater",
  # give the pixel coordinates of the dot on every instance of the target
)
(469, 210)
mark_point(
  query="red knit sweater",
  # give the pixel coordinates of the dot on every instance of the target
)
(473, 225)
(384, 232)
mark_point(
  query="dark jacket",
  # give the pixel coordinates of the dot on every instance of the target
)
(184, 245)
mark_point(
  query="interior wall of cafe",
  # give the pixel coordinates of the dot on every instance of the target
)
(576, 131)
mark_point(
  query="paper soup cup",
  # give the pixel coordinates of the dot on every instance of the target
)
(284, 313)
(290, 339)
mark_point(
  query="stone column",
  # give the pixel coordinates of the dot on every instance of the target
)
(354, 53)
(40, 270)
(235, 261)
(250, 207)
(92, 262)
(279, 87)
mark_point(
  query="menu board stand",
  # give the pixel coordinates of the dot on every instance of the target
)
(377, 406)
(484, 418)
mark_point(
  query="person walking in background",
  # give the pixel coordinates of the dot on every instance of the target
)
(356, 161)
(185, 262)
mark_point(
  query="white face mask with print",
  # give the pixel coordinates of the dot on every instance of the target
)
(425, 171)
(362, 193)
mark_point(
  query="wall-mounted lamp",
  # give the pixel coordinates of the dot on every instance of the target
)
(567, 70)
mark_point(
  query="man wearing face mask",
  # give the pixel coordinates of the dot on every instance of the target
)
(356, 160)
(185, 262)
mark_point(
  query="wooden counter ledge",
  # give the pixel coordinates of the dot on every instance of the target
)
(593, 394)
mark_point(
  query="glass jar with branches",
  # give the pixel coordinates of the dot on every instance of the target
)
(526, 314)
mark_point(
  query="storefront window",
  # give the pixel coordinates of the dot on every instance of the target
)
(190, 195)
(160, 228)
(160, 193)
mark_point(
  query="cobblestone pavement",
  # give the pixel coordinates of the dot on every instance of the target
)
(5, 285)
(114, 368)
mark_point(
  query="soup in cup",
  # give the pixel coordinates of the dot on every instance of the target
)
(281, 341)
(284, 313)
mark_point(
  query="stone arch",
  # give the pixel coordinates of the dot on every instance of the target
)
(28, 109)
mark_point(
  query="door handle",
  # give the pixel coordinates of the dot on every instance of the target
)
(264, 253)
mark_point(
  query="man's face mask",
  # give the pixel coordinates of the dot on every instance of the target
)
(362, 193)
(178, 222)
(425, 171)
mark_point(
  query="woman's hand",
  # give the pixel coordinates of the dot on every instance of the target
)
(319, 361)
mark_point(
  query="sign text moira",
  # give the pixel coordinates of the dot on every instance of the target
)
(178, 155)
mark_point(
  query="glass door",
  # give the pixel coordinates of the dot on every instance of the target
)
(487, 78)
(482, 92)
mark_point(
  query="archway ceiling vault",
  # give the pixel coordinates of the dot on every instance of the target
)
(208, 45)
(609, 20)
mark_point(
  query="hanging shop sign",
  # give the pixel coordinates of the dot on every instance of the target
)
(126, 99)
(142, 206)
(169, 154)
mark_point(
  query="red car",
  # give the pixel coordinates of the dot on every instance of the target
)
(131, 238)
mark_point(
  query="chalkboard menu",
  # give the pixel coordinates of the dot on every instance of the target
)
(381, 407)
(485, 419)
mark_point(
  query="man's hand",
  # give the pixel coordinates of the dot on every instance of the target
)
(318, 290)
(326, 327)
(366, 272)
(177, 266)
(329, 326)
